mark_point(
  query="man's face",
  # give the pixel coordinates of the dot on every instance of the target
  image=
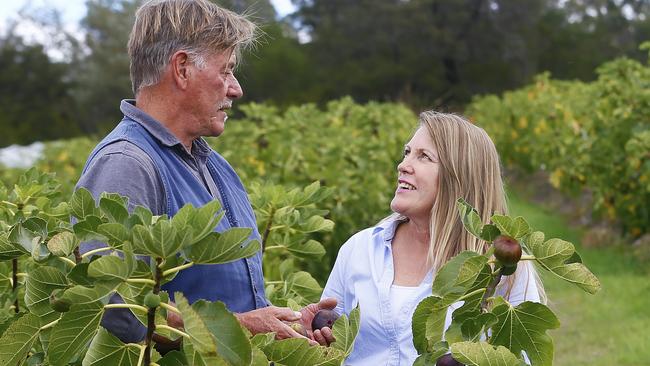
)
(211, 92)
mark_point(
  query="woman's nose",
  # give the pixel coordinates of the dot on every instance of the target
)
(405, 166)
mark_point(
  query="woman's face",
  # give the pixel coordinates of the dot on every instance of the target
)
(417, 183)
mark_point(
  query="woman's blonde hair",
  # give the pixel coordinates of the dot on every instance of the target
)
(199, 27)
(469, 169)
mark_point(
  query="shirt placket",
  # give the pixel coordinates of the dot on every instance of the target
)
(388, 322)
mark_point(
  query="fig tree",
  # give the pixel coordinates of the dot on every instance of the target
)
(447, 360)
(151, 300)
(58, 303)
(324, 318)
(507, 250)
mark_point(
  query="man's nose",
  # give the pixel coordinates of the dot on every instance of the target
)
(234, 89)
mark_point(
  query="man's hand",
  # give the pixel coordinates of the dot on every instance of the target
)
(323, 336)
(271, 319)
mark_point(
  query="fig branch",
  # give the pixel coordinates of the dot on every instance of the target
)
(267, 229)
(14, 285)
(489, 291)
(151, 314)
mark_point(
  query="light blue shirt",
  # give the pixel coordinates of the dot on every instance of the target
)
(363, 275)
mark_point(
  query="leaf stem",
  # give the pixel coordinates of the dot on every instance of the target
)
(267, 229)
(273, 282)
(50, 325)
(274, 247)
(141, 280)
(95, 251)
(176, 269)
(127, 306)
(524, 257)
(9, 203)
(68, 261)
(478, 291)
(173, 330)
(490, 290)
(143, 349)
(169, 307)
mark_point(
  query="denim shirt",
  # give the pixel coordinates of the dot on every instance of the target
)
(363, 275)
(141, 159)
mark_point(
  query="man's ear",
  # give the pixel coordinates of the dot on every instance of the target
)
(180, 70)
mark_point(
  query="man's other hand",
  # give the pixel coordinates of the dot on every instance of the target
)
(271, 319)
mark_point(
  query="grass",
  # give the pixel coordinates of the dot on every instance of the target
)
(611, 327)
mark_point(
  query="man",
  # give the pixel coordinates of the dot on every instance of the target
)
(183, 53)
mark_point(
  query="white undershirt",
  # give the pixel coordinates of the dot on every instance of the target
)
(400, 296)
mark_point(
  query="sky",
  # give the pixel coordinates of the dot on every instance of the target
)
(71, 12)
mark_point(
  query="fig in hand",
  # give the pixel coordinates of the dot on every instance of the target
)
(507, 250)
(324, 318)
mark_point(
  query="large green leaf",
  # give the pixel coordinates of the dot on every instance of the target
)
(17, 340)
(458, 275)
(114, 210)
(483, 354)
(82, 204)
(428, 319)
(304, 285)
(223, 247)
(84, 295)
(86, 229)
(316, 224)
(25, 235)
(516, 228)
(38, 287)
(116, 233)
(106, 349)
(557, 256)
(309, 250)
(174, 358)
(233, 344)
(470, 218)
(298, 352)
(62, 244)
(345, 331)
(201, 337)
(9, 251)
(73, 332)
(109, 267)
(205, 219)
(195, 358)
(163, 235)
(524, 328)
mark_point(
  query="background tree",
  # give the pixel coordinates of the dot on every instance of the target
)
(36, 102)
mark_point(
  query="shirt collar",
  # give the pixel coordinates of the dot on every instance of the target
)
(387, 228)
(199, 146)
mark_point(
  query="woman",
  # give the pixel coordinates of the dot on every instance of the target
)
(388, 269)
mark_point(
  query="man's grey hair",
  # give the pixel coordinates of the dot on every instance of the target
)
(198, 27)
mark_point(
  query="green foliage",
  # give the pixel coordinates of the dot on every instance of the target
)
(59, 308)
(349, 148)
(591, 137)
(488, 330)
